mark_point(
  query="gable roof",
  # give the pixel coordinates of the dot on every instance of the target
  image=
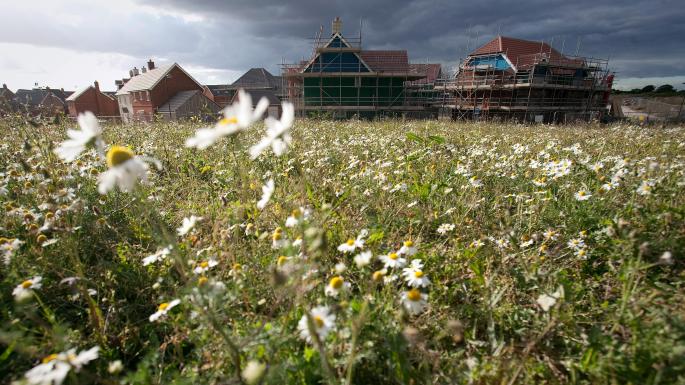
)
(36, 96)
(520, 52)
(220, 89)
(386, 61)
(256, 78)
(78, 93)
(148, 80)
(432, 71)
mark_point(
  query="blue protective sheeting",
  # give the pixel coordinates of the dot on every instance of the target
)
(496, 62)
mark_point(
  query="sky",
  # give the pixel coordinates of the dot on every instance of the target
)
(70, 43)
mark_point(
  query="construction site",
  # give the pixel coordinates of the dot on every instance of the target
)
(342, 80)
(505, 79)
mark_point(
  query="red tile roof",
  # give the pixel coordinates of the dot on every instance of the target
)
(386, 61)
(432, 72)
(520, 52)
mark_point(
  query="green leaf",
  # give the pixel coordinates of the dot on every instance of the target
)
(309, 353)
(437, 139)
(415, 138)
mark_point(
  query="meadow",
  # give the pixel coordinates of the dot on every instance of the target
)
(386, 252)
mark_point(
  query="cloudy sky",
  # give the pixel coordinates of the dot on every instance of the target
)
(69, 43)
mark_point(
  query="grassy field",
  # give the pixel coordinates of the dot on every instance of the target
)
(539, 255)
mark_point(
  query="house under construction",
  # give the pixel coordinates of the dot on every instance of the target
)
(343, 80)
(525, 80)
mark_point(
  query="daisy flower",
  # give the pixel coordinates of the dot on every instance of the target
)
(335, 286)
(392, 260)
(362, 259)
(445, 228)
(25, 289)
(204, 266)
(322, 321)
(414, 301)
(645, 188)
(277, 133)
(352, 244)
(408, 248)
(546, 302)
(278, 239)
(8, 247)
(297, 216)
(125, 169)
(237, 117)
(159, 255)
(267, 191)
(90, 133)
(414, 276)
(163, 309)
(582, 195)
(187, 225)
(55, 367)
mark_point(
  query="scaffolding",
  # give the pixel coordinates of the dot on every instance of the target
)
(540, 87)
(342, 80)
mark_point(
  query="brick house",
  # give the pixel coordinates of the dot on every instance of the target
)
(148, 89)
(92, 99)
(44, 101)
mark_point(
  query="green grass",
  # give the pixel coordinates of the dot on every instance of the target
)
(621, 317)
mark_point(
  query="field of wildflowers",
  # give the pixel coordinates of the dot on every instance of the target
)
(341, 252)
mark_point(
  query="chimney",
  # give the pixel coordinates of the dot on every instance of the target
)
(135, 71)
(150, 64)
(143, 69)
(97, 85)
(336, 26)
(130, 73)
(4, 85)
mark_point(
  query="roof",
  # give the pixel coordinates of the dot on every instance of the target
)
(257, 94)
(386, 61)
(177, 100)
(220, 89)
(256, 78)
(78, 93)
(519, 51)
(431, 70)
(148, 80)
(36, 96)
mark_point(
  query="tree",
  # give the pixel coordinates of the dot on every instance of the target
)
(649, 88)
(665, 88)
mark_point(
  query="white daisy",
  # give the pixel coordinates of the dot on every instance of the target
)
(187, 225)
(546, 302)
(415, 277)
(392, 260)
(237, 117)
(414, 301)
(335, 286)
(125, 169)
(267, 191)
(408, 248)
(277, 133)
(297, 216)
(8, 247)
(90, 133)
(352, 244)
(582, 195)
(55, 367)
(159, 255)
(25, 289)
(163, 309)
(445, 228)
(362, 259)
(204, 266)
(322, 322)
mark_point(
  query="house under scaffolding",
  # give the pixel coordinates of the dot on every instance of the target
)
(525, 80)
(342, 80)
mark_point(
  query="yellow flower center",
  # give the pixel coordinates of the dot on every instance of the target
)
(392, 256)
(118, 155)
(202, 281)
(378, 275)
(163, 306)
(237, 267)
(49, 358)
(204, 264)
(42, 238)
(408, 243)
(414, 295)
(581, 193)
(318, 321)
(336, 282)
(296, 213)
(418, 274)
(227, 121)
(26, 284)
(350, 242)
(33, 227)
(282, 260)
(277, 236)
